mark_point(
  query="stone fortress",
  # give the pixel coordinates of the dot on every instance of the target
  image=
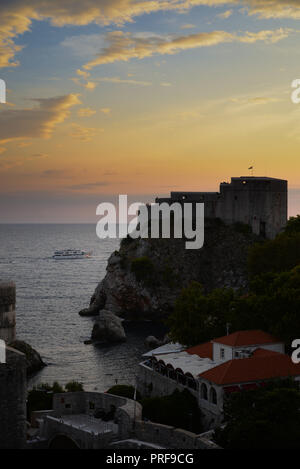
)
(260, 202)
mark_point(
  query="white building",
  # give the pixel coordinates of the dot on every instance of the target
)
(239, 361)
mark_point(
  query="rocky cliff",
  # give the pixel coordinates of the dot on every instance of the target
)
(145, 276)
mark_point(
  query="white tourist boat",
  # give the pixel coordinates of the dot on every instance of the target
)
(71, 254)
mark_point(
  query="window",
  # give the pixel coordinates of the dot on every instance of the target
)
(203, 391)
(222, 353)
(213, 396)
(92, 405)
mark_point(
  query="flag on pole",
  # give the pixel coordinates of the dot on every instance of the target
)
(251, 167)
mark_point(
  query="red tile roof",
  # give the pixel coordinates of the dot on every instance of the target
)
(262, 365)
(244, 338)
(203, 350)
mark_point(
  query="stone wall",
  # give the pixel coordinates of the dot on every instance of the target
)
(128, 416)
(171, 437)
(13, 400)
(7, 311)
(150, 383)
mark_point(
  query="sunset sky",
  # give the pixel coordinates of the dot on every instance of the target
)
(142, 97)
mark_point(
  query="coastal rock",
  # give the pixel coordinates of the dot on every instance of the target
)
(108, 328)
(33, 358)
(152, 342)
(145, 276)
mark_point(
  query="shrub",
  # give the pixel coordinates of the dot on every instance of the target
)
(123, 390)
(179, 410)
(74, 386)
(143, 269)
(240, 227)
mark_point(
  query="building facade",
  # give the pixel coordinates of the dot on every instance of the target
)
(233, 363)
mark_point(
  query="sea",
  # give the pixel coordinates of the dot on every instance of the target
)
(50, 293)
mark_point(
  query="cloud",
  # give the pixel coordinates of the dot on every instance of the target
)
(89, 185)
(124, 81)
(86, 112)
(255, 100)
(16, 16)
(84, 134)
(106, 110)
(275, 8)
(188, 26)
(54, 173)
(225, 14)
(38, 121)
(39, 155)
(123, 46)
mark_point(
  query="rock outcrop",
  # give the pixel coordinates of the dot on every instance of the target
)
(34, 361)
(145, 276)
(108, 328)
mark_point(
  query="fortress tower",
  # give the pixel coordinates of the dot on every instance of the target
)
(7, 311)
(260, 202)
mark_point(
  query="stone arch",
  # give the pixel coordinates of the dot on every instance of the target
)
(190, 380)
(180, 376)
(213, 396)
(62, 441)
(162, 367)
(171, 371)
(203, 392)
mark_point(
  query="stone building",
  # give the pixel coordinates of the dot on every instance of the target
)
(12, 375)
(239, 361)
(7, 311)
(260, 202)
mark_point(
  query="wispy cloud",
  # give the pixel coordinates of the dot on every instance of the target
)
(123, 46)
(38, 121)
(118, 80)
(86, 112)
(226, 14)
(85, 134)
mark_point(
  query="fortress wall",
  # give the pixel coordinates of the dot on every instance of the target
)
(7, 311)
(259, 202)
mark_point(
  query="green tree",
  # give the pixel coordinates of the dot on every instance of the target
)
(293, 225)
(124, 390)
(74, 386)
(198, 317)
(267, 418)
(179, 410)
(143, 269)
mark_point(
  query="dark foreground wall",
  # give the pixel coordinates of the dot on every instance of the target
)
(13, 400)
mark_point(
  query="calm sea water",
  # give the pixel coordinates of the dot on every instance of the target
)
(49, 295)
